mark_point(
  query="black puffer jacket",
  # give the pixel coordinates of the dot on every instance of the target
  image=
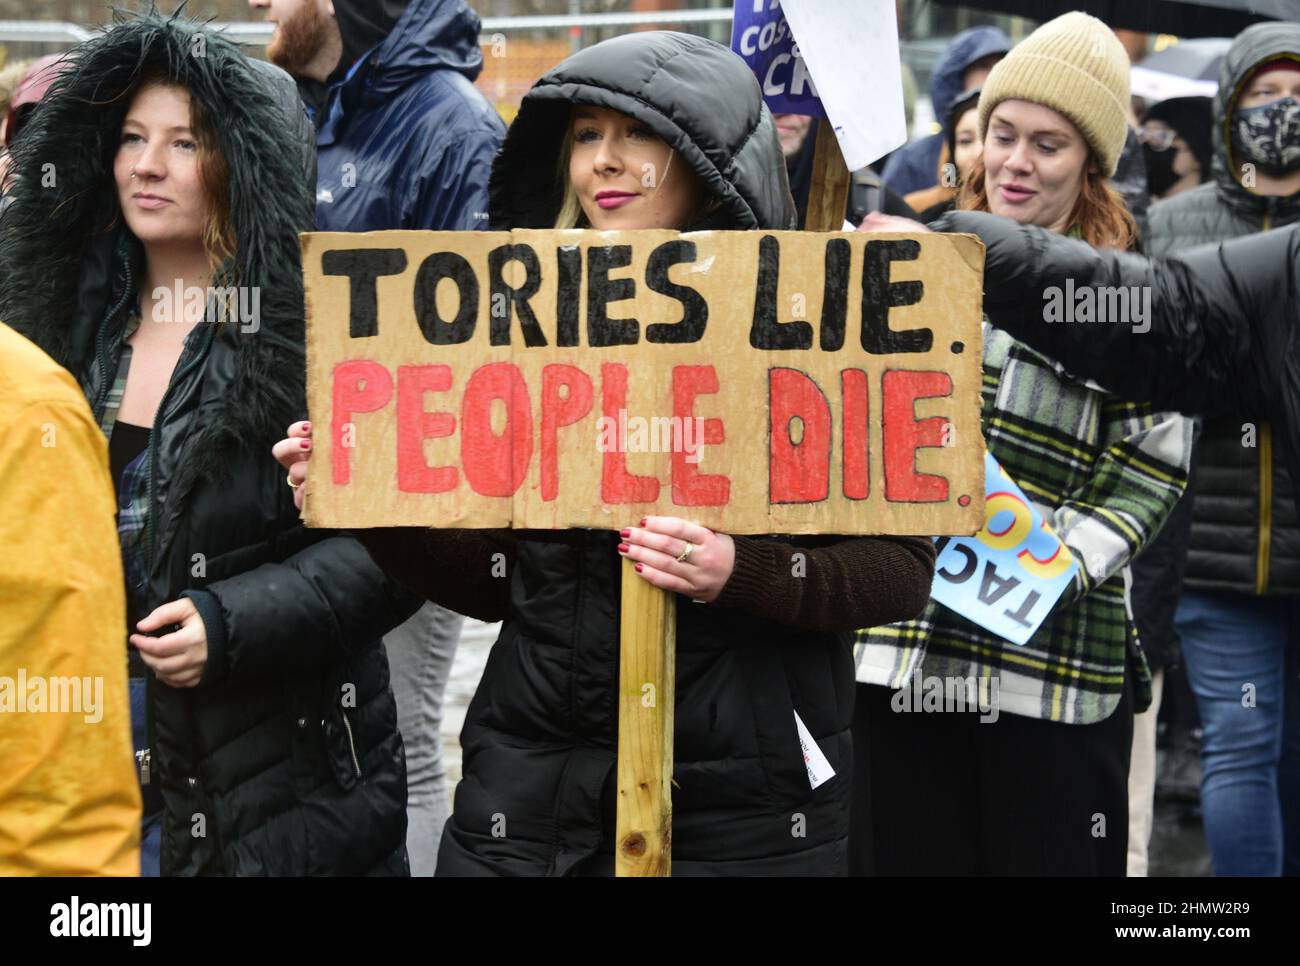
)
(1244, 535)
(288, 749)
(1224, 336)
(537, 796)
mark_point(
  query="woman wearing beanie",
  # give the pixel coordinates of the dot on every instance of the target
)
(1036, 784)
(762, 645)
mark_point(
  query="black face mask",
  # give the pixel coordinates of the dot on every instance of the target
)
(1160, 169)
(1268, 136)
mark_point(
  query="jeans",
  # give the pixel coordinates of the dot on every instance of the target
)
(1241, 656)
(150, 795)
(420, 653)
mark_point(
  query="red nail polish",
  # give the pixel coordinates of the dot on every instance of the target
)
(304, 443)
(638, 568)
(623, 548)
(625, 533)
(642, 523)
(306, 426)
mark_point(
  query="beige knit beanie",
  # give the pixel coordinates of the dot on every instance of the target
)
(1075, 65)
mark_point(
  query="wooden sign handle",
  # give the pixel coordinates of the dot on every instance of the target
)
(828, 194)
(646, 691)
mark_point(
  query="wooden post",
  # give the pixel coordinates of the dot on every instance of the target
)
(828, 194)
(646, 695)
(648, 634)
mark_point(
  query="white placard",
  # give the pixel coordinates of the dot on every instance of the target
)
(851, 49)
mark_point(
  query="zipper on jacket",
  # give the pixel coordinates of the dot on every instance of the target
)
(1265, 507)
(352, 745)
(1265, 490)
(197, 357)
(100, 339)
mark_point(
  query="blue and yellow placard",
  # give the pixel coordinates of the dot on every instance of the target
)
(1008, 576)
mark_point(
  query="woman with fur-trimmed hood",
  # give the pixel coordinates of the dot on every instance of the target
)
(151, 248)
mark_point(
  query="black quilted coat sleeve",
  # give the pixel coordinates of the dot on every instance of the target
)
(1217, 337)
(309, 611)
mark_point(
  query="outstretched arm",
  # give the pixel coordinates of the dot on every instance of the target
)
(1206, 333)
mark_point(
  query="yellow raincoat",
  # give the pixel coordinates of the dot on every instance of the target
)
(69, 798)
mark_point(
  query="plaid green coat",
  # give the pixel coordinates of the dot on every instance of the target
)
(1105, 474)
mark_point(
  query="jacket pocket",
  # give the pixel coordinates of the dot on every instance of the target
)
(342, 743)
(775, 734)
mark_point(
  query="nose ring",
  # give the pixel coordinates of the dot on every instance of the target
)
(133, 172)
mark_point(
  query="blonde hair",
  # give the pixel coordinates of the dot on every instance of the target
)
(570, 214)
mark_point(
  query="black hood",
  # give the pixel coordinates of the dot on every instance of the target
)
(363, 25)
(1193, 118)
(694, 93)
(64, 247)
(1255, 45)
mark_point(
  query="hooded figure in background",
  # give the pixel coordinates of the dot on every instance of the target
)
(1191, 120)
(964, 64)
(286, 746)
(404, 138)
(1243, 534)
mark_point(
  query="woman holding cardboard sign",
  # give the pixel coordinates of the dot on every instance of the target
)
(1031, 779)
(161, 267)
(602, 142)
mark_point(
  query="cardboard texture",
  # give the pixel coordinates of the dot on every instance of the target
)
(753, 381)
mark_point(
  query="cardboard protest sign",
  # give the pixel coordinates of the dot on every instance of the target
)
(1008, 576)
(757, 382)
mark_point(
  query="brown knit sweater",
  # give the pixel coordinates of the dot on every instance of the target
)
(844, 582)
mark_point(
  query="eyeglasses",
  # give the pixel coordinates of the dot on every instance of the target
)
(1157, 138)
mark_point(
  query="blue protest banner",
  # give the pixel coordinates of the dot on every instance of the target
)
(1008, 576)
(761, 35)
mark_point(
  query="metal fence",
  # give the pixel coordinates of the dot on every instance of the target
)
(516, 49)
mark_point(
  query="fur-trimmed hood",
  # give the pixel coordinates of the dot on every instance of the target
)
(66, 254)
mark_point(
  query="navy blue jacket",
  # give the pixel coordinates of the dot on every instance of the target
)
(915, 166)
(405, 140)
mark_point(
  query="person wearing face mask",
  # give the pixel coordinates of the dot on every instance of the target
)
(1020, 791)
(1175, 138)
(1239, 524)
(538, 793)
